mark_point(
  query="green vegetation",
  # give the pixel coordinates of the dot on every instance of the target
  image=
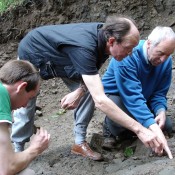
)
(128, 152)
(61, 111)
(6, 4)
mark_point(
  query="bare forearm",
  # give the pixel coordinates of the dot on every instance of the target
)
(23, 159)
(117, 115)
(11, 162)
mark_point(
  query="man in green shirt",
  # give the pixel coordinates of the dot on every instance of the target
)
(19, 82)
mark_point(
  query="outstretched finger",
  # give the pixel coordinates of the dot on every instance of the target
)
(48, 136)
(167, 150)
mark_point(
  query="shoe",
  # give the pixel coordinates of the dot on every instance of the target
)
(85, 151)
(109, 143)
(19, 147)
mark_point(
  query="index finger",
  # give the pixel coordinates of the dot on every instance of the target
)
(167, 150)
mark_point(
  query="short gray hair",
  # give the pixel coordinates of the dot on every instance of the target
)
(161, 33)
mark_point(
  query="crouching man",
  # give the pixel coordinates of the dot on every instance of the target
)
(19, 82)
(139, 85)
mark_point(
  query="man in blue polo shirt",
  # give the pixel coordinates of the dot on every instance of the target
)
(139, 84)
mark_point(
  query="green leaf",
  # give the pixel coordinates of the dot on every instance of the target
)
(128, 152)
(61, 111)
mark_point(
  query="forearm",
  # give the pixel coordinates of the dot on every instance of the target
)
(11, 162)
(38, 144)
(106, 105)
(22, 159)
(117, 115)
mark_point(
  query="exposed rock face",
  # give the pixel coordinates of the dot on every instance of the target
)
(32, 13)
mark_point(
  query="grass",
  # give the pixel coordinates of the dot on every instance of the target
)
(6, 4)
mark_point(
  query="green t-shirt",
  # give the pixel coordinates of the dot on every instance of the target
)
(5, 105)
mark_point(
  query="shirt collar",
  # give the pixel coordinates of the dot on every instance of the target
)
(145, 52)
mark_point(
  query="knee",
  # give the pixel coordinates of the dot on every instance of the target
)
(168, 125)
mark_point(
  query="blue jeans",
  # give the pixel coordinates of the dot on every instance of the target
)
(22, 128)
(116, 129)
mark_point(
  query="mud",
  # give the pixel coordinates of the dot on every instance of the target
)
(57, 160)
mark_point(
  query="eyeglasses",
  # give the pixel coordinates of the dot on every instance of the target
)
(126, 49)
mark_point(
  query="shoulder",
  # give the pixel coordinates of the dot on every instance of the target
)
(3, 91)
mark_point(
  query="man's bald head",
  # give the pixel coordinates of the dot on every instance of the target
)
(121, 28)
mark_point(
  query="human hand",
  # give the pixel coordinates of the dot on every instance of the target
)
(161, 138)
(160, 119)
(40, 141)
(149, 139)
(71, 100)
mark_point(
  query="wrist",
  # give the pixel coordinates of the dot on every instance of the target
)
(80, 91)
(32, 152)
(83, 87)
(136, 127)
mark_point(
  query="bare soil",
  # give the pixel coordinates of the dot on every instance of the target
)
(58, 160)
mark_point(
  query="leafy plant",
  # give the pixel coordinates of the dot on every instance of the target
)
(61, 111)
(5, 4)
(128, 152)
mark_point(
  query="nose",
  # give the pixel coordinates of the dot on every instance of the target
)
(163, 58)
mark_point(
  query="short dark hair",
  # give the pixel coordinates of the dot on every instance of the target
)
(20, 70)
(117, 27)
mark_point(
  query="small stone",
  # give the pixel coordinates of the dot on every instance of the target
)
(39, 113)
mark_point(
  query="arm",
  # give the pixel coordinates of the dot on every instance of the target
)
(94, 85)
(158, 101)
(11, 162)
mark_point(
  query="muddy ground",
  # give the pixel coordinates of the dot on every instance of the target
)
(57, 160)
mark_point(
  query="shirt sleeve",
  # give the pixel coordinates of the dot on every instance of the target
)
(5, 106)
(158, 101)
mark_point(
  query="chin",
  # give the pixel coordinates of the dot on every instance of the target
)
(118, 59)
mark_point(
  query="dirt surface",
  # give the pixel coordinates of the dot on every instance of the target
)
(57, 160)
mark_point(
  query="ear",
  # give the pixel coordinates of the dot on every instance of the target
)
(111, 41)
(21, 86)
(148, 44)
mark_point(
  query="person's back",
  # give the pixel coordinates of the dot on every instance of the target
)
(46, 45)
